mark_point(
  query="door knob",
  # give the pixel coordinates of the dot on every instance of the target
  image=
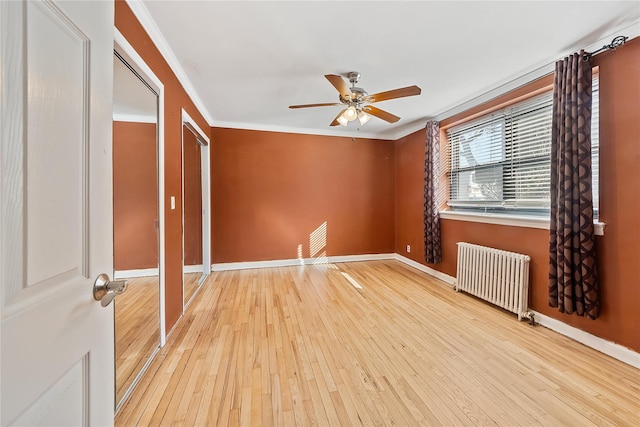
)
(105, 290)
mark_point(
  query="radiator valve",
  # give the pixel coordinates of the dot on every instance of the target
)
(531, 316)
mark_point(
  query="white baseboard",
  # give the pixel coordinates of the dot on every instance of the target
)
(609, 348)
(430, 271)
(128, 274)
(147, 272)
(193, 268)
(303, 261)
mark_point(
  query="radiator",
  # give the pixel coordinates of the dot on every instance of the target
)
(499, 277)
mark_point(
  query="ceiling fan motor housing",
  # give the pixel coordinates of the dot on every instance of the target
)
(358, 96)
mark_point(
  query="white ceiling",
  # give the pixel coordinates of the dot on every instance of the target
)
(248, 61)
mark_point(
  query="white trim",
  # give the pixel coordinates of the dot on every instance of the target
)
(409, 129)
(510, 220)
(205, 177)
(186, 118)
(136, 380)
(287, 129)
(227, 266)
(144, 17)
(193, 268)
(175, 325)
(147, 73)
(351, 258)
(501, 219)
(541, 70)
(391, 134)
(430, 271)
(506, 85)
(193, 297)
(134, 118)
(609, 348)
(140, 272)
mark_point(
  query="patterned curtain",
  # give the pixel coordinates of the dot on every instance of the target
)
(573, 278)
(432, 245)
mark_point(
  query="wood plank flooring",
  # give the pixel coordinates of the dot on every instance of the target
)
(137, 329)
(190, 286)
(301, 346)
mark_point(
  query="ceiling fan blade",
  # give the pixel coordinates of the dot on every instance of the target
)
(381, 114)
(395, 93)
(335, 121)
(339, 83)
(327, 104)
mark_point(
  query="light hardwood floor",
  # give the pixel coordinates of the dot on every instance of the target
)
(137, 329)
(190, 285)
(301, 346)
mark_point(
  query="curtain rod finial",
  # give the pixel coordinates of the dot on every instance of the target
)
(615, 43)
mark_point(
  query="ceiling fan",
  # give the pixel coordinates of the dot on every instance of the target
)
(357, 100)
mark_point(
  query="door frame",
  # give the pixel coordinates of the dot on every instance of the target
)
(122, 45)
(205, 176)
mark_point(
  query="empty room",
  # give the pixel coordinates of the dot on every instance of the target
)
(320, 213)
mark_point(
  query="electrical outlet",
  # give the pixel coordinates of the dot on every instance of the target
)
(408, 248)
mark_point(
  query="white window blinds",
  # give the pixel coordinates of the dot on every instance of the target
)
(501, 161)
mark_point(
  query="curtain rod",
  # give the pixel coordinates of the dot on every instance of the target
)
(615, 43)
(539, 73)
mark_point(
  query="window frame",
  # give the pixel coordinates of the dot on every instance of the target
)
(521, 218)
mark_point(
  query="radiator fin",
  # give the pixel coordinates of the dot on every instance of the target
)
(497, 276)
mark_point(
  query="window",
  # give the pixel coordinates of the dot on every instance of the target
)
(501, 161)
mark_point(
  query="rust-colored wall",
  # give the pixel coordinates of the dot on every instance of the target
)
(279, 187)
(618, 249)
(409, 200)
(175, 99)
(271, 190)
(192, 199)
(135, 196)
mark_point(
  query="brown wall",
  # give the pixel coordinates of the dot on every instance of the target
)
(619, 207)
(175, 99)
(271, 190)
(192, 199)
(135, 196)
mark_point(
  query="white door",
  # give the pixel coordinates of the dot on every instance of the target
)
(56, 219)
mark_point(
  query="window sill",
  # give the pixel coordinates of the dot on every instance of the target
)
(511, 220)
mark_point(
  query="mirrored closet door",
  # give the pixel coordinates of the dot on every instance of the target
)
(195, 208)
(136, 224)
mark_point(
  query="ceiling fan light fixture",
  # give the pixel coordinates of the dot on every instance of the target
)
(350, 113)
(363, 117)
(342, 119)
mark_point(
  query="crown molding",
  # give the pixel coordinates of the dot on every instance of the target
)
(540, 70)
(509, 84)
(287, 129)
(142, 14)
